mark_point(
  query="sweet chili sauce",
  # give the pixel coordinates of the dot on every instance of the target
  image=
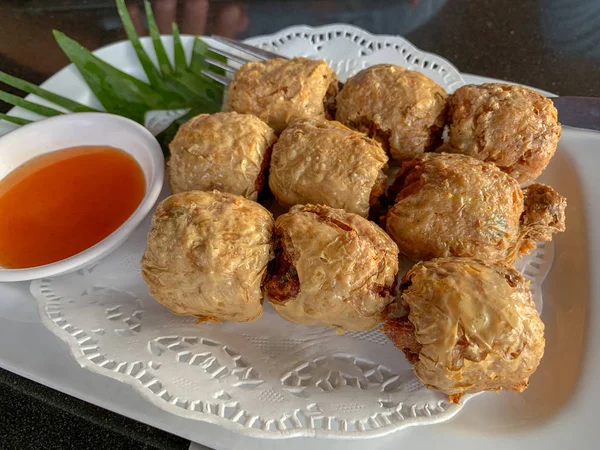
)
(61, 203)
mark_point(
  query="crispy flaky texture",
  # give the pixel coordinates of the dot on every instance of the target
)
(403, 109)
(544, 212)
(474, 325)
(331, 268)
(321, 162)
(455, 205)
(207, 255)
(511, 126)
(280, 91)
(224, 151)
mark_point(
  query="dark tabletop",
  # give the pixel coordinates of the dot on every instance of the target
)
(549, 44)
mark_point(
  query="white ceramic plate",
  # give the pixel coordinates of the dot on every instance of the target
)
(536, 409)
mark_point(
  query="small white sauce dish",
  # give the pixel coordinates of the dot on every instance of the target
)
(71, 130)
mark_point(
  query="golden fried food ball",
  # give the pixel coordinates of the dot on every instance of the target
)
(280, 91)
(511, 126)
(225, 151)
(471, 326)
(207, 255)
(331, 268)
(455, 205)
(321, 162)
(403, 109)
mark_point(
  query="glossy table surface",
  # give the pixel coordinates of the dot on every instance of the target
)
(550, 44)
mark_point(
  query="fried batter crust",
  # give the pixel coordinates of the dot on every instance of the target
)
(545, 212)
(323, 162)
(279, 91)
(207, 253)
(403, 109)
(346, 268)
(511, 126)
(454, 205)
(476, 325)
(223, 151)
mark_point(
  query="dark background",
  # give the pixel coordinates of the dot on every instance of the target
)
(549, 44)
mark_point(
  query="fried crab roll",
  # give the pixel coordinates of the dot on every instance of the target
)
(207, 254)
(280, 91)
(402, 109)
(470, 327)
(321, 162)
(511, 126)
(331, 268)
(454, 205)
(228, 152)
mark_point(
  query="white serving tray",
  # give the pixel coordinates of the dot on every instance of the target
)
(556, 411)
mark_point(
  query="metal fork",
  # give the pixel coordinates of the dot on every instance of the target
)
(256, 53)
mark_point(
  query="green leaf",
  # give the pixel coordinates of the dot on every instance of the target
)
(216, 69)
(31, 88)
(180, 62)
(152, 72)
(29, 106)
(199, 52)
(172, 87)
(119, 92)
(213, 89)
(169, 87)
(13, 119)
(202, 86)
(161, 54)
(198, 63)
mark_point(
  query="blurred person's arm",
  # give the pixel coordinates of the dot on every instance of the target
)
(195, 17)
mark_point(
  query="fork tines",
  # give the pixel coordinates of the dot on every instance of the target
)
(237, 59)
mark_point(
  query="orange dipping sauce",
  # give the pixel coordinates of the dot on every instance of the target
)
(61, 203)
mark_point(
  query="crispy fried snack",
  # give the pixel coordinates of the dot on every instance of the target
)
(511, 126)
(280, 91)
(331, 268)
(455, 205)
(207, 255)
(471, 326)
(544, 212)
(321, 162)
(403, 109)
(225, 151)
